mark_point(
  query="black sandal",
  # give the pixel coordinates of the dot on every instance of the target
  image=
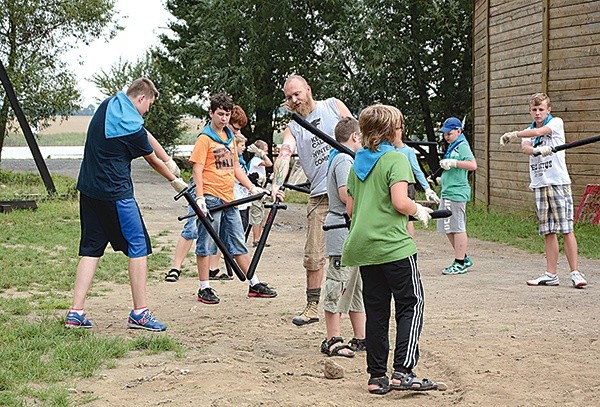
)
(212, 274)
(172, 275)
(358, 345)
(327, 344)
(409, 381)
(383, 382)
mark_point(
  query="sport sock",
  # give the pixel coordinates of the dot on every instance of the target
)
(139, 311)
(461, 262)
(204, 284)
(253, 281)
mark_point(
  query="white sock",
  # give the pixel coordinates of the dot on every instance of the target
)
(253, 281)
(139, 311)
(77, 311)
(204, 284)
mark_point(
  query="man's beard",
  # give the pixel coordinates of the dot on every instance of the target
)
(304, 109)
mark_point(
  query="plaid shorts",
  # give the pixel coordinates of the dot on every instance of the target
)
(554, 206)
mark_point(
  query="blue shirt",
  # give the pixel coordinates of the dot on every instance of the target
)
(105, 172)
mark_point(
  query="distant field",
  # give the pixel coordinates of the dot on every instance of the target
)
(71, 132)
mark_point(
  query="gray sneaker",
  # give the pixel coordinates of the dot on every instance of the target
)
(309, 315)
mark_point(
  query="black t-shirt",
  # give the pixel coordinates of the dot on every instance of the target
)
(105, 172)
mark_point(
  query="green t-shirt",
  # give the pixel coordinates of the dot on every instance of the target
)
(455, 182)
(378, 232)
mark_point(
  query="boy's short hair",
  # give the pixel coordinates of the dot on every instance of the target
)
(221, 101)
(261, 144)
(142, 86)
(345, 127)
(538, 98)
(238, 116)
(378, 123)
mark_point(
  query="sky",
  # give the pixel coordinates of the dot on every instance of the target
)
(143, 20)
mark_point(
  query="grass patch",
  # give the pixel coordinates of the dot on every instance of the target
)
(521, 230)
(39, 256)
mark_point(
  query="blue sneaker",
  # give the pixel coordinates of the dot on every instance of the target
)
(74, 320)
(454, 268)
(145, 320)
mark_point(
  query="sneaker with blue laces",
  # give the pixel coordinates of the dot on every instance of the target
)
(455, 268)
(468, 262)
(75, 320)
(145, 320)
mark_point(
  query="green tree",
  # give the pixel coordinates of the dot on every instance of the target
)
(415, 55)
(34, 34)
(246, 49)
(165, 119)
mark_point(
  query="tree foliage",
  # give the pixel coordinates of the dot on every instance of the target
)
(34, 34)
(246, 49)
(413, 54)
(165, 118)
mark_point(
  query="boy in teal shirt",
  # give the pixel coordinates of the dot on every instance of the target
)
(456, 192)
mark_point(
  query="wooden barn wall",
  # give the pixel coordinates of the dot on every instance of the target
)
(522, 47)
(574, 83)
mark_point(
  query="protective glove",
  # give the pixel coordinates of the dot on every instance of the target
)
(254, 150)
(261, 179)
(544, 151)
(172, 166)
(432, 196)
(258, 190)
(423, 214)
(202, 204)
(438, 180)
(448, 163)
(508, 137)
(178, 184)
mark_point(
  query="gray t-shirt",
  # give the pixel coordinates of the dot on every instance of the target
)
(337, 177)
(312, 151)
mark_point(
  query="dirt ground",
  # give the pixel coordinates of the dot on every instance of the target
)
(492, 339)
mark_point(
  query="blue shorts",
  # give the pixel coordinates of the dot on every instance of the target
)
(228, 225)
(190, 229)
(116, 222)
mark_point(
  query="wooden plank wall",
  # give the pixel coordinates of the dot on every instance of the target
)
(574, 83)
(522, 47)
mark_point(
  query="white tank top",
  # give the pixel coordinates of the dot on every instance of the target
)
(313, 152)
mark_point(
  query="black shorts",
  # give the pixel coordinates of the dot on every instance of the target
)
(116, 222)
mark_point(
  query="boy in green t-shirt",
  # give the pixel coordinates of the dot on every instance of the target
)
(379, 244)
(456, 191)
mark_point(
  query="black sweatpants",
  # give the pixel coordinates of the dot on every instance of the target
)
(401, 280)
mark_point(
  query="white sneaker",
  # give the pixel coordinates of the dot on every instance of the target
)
(545, 279)
(578, 279)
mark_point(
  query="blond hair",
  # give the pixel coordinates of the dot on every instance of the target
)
(261, 144)
(240, 138)
(142, 86)
(538, 98)
(378, 123)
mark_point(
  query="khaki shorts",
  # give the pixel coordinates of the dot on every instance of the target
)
(257, 214)
(343, 288)
(314, 249)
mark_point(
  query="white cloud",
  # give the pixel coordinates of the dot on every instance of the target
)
(143, 20)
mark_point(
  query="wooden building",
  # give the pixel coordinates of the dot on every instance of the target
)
(522, 47)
